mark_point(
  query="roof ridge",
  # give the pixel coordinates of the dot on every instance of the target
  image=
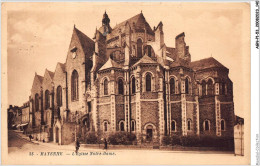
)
(127, 20)
(78, 31)
(84, 41)
(204, 59)
(209, 62)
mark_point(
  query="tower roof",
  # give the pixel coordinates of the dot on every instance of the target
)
(138, 21)
(110, 64)
(105, 19)
(145, 60)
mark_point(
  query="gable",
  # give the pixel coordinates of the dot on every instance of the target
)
(81, 44)
(37, 83)
(59, 74)
(74, 44)
(47, 79)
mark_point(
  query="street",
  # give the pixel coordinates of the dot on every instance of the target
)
(22, 150)
(19, 145)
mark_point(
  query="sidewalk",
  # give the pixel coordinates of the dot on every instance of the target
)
(52, 145)
(25, 137)
(86, 147)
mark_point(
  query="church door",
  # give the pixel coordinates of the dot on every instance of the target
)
(149, 133)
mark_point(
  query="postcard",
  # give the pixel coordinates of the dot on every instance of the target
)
(140, 83)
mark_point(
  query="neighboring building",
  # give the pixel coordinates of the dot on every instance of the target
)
(239, 136)
(127, 79)
(25, 109)
(25, 113)
(12, 112)
(18, 118)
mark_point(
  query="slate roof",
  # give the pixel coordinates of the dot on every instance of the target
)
(145, 60)
(171, 52)
(50, 73)
(140, 23)
(85, 41)
(39, 77)
(63, 66)
(110, 64)
(206, 63)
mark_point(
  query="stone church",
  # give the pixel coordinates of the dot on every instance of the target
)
(127, 79)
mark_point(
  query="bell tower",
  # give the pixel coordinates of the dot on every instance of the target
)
(106, 29)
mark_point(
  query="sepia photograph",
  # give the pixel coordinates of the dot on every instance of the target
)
(105, 83)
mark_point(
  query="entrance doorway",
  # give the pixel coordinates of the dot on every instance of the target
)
(149, 133)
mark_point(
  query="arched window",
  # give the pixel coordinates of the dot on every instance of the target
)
(172, 86)
(105, 126)
(148, 50)
(105, 87)
(132, 125)
(187, 86)
(210, 87)
(74, 86)
(36, 102)
(121, 126)
(47, 99)
(189, 124)
(206, 125)
(222, 124)
(120, 87)
(59, 96)
(133, 85)
(173, 126)
(203, 88)
(148, 83)
(139, 47)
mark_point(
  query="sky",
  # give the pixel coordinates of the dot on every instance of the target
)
(38, 36)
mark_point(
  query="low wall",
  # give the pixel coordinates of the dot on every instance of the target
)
(170, 148)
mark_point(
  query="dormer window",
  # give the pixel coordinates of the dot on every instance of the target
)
(74, 52)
